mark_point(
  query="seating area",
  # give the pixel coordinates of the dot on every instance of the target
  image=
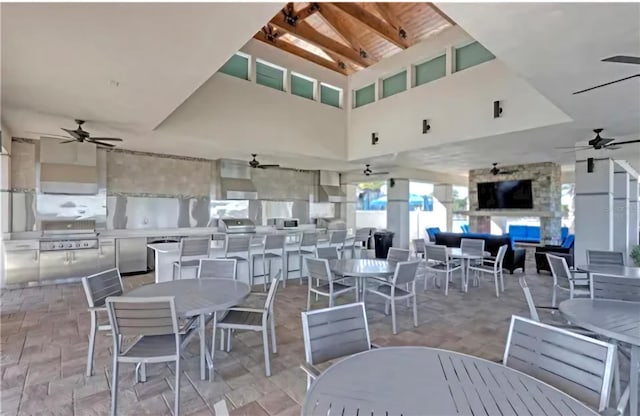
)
(320, 209)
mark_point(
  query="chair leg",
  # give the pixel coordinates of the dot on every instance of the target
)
(229, 339)
(553, 297)
(285, 272)
(502, 279)
(495, 277)
(265, 342)
(213, 346)
(92, 342)
(143, 372)
(415, 309)
(386, 306)
(264, 273)
(176, 405)
(300, 265)
(393, 316)
(114, 386)
(274, 344)
(221, 339)
(446, 283)
(309, 296)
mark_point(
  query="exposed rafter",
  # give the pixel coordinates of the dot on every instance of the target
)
(304, 31)
(335, 19)
(392, 18)
(269, 36)
(308, 11)
(441, 13)
(383, 29)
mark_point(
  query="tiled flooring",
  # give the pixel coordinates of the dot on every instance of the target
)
(44, 341)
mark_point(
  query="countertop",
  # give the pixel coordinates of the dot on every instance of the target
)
(155, 232)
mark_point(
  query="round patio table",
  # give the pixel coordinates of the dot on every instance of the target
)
(425, 381)
(198, 297)
(614, 319)
(466, 256)
(362, 269)
(615, 270)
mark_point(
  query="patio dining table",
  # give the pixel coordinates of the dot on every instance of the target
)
(361, 269)
(198, 298)
(614, 319)
(396, 381)
(616, 270)
(466, 256)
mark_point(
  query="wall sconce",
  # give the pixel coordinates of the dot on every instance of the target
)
(425, 126)
(374, 139)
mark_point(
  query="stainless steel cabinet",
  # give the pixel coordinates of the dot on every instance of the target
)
(55, 265)
(83, 262)
(65, 264)
(131, 254)
(106, 254)
(21, 262)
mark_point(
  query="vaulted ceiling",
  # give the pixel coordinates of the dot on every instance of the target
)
(347, 37)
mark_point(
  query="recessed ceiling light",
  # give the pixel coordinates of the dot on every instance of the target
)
(113, 83)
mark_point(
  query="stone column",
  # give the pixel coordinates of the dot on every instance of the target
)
(633, 212)
(620, 209)
(349, 206)
(594, 208)
(444, 194)
(398, 211)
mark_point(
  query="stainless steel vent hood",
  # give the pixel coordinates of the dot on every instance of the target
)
(67, 168)
(235, 180)
(329, 187)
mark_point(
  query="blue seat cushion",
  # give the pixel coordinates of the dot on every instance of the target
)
(569, 241)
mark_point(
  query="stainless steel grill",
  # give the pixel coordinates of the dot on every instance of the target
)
(68, 235)
(236, 226)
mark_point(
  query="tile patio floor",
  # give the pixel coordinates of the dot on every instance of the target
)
(44, 341)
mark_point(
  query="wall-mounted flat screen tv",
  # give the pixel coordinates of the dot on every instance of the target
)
(505, 195)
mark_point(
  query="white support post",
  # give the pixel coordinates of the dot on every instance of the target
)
(398, 211)
(620, 209)
(633, 213)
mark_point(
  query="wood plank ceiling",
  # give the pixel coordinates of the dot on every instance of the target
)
(347, 37)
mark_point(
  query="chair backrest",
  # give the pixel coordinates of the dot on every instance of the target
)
(218, 269)
(398, 254)
(136, 316)
(472, 244)
(195, 247)
(318, 269)
(275, 241)
(437, 253)
(418, 245)
(362, 235)
(237, 243)
(309, 239)
(406, 272)
(98, 287)
(605, 257)
(580, 366)
(337, 236)
(220, 408)
(527, 296)
(616, 288)
(335, 332)
(273, 288)
(329, 253)
(559, 268)
(465, 228)
(502, 251)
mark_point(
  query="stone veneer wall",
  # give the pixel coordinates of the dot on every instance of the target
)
(547, 193)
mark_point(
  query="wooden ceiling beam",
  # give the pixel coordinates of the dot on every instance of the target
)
(336, 20)
(393, 19)
(308, 11)
(383, 29)
(306, 32)
(441, 13)
(302, 53)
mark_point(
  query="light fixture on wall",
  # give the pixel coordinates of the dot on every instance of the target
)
(392, 182)
(497, 109)
(425, 126)
(590, 165)
(374, 139)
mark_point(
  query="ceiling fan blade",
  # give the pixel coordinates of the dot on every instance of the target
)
(268, 166)
(627, 142)
(378, 173)
(102, 144)
(623, 59)
(72, 133)
(67, 141)
(47, 134)
(507, 172)
(106, 139)
(573, 147)
(607, 83)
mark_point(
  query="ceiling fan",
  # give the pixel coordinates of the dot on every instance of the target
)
(81, 136)
(495, 170)
(255, 164)
(620, 59)
(368, 172)
(599, 142)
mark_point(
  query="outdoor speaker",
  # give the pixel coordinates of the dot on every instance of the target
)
(425, 126)
(590, 165)
(374, 138)
(497, 109)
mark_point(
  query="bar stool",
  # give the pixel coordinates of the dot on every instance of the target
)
(191, 251)
(234, 248)
(273, 248)
(337, 239)
(307, 244)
